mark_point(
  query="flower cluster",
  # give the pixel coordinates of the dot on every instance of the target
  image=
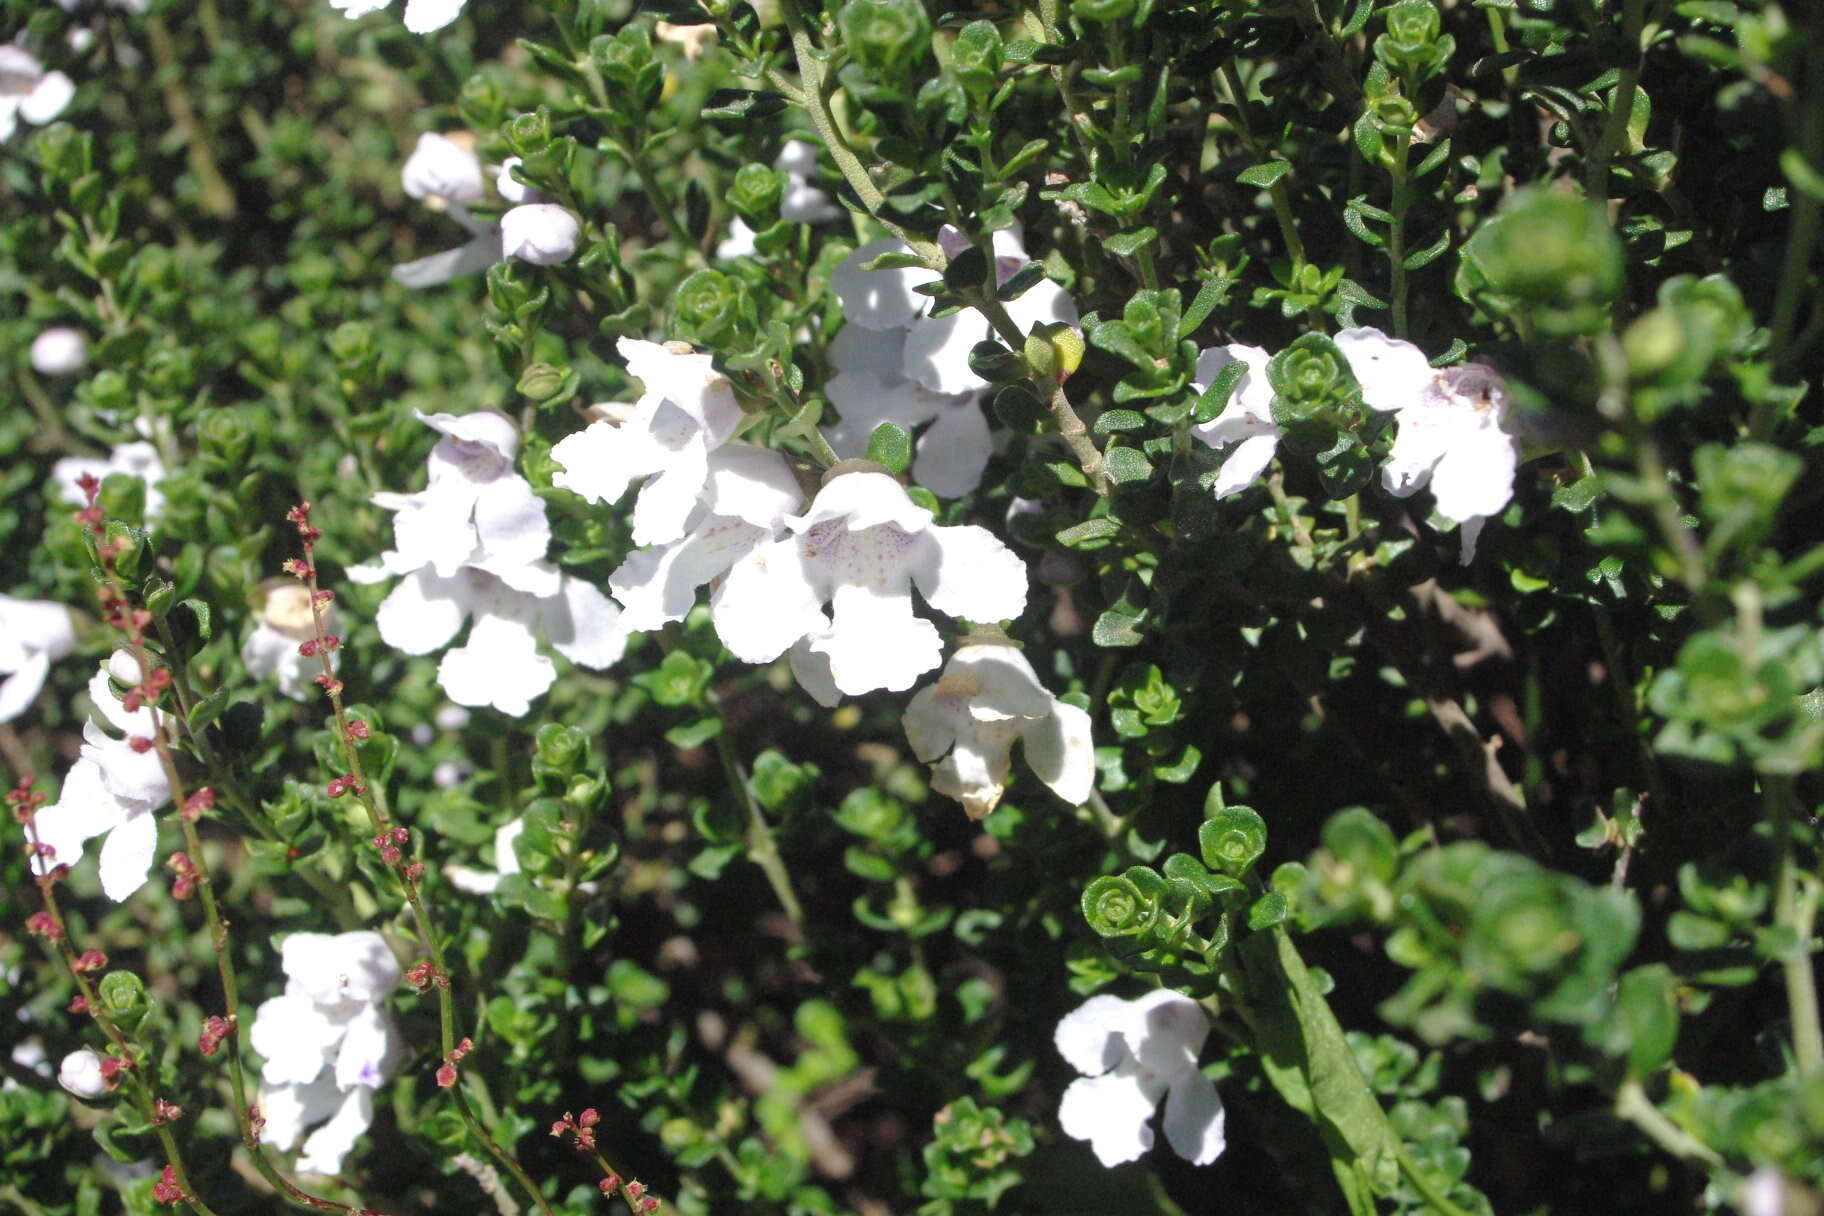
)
(328, 1044)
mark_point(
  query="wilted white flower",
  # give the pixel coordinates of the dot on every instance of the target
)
(511, 188)
(1453, 429)
(80, 1073)
(129, 459)
(1246, 422)
(59, 350)
(285, 623)
(543, 234)
(688, 411)
(327, 1042)
(421, 16)
(860, 548)
(111, 790)
(33, 635)
(1132, 1054)
(965, 726)
(28, 91)
(472, 544)
(442, 168)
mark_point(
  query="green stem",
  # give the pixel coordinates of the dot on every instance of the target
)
(760, 843)
(1795, 270)
(1796, 914)
(1633, 1105)
(1278, 191)
(1615, 127)
(1397, 204)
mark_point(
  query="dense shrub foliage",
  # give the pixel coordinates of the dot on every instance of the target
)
(1111, 606)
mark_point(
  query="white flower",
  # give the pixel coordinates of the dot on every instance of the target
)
(285, 623)
(28, 91)
(59, 350)
(129, 459)
(33, 635)
(112, 789)
(747, 495)
(1132, 1054)
(1246, 421)
(327, 1043)
(987, 698)
(803, 202)
(506, 861)
(860, 548)
(543, 234)
(739, 243)
(952, 450)
(511, 188)
(688, 411)
(1452, 436)
(421, 16)
(80, 1073)
(472, 543)
(936, 351)
(442, 168)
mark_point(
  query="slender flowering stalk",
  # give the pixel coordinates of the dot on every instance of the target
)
(388, 837)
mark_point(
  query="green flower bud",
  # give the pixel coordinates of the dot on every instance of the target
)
(1311, 381)
(482, 102)
(1412, 44)
(1124, 905)
(623, 56)
(540, 381)
(124, 1000)
(756, 194)
(1232, 840)
(1554, 255)
(352, 343)
(709, 307)
(977, 56)
(529, 133)
(885, 36)
(108, 390)
(223, 437)
(562, 750)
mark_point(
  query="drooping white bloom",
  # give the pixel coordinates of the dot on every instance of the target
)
(936, 350)
(130, 459)
(1453, 429)
(966, 723)
(327, 1042)
(29, 92)
(860, 548)
(285, 623)
(80, 1073)
(688, 411)
(59, 351)
(33, 635)
(112, 790)
(442, 168)
(1246, 422)
(472, 544)
(506, 861)
(421, 16)
(1132, 1054)
(747, 495)
(543, 234)
(511, 188)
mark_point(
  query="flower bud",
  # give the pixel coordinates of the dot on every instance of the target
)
(1412, 43)
(977, 56)
(124, 999)
(440, 167)
(223, 437)
(540, 381)
(58, 351)
(482, 102)
(562, 750)
(756, 193)
(81, 1074)
(709, 307)
(1232, 840)
(886, 36)
(1124, 905)
(529, 133)
(543, 234)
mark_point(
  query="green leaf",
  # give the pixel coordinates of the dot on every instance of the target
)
(694, 734)
(1127, 244)
(891, 445)
(1264, 175)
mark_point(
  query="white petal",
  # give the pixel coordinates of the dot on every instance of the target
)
(866, 400)
(1165, 1031)
(510, 524)
(1393, 373)
(295, 1037)
(326, 1147)
(1246, 463)
(752, 484)
(660, 584)
(428, 16)
(864, 500)
(543, 234)
(289, 1109)
(1044, 303)
(766, 603)
(422, 613)
(1061, 753)
(584, 625)
(472, 257)
(738, 244)
(877, 352)
(370, 1050)
(1089, 1036)
(1194, 1119)
(811, 669)
(128, 853)
(1468, 534)
(334, 968)
(663, 509)
(953, 452)
(48, 98)
(931, 721)
(595, 461)
(1476, 475)
(436, 527)
(80, 1073)
(967, 572)
(499, 666)
(975, 771)
(20, 689)
(994, 682)
(439, 167)
(875, 641)
(878, 299)
(689, 381)
(489, 429)
(937, 352)
(84, 810)
(1111, 1112)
